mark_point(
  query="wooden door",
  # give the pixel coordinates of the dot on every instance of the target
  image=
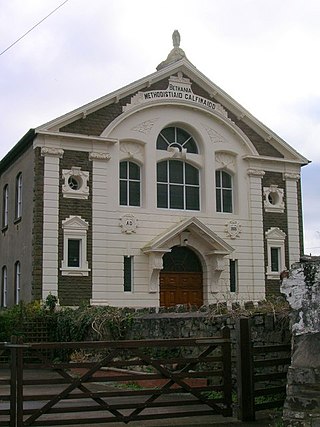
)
(181, 288)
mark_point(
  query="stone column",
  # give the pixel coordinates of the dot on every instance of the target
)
(292, 217)
(302, 289)
(50, 220)
(257, 237)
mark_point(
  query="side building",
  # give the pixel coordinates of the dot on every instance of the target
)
(164, 192)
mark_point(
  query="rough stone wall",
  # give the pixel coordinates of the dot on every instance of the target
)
(37, 232)
(74, 290)
(274, 219)
(302, 289)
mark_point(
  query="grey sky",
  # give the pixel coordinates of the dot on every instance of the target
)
(263, 53)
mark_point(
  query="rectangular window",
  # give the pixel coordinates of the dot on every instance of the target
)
(275, 259)
(74, 248)
(4, 287)
(127, 273)
(19, 196)
(17, 282)
(233, 268)
(5, 207)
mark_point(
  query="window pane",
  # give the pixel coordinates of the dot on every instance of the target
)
(191, 146)
(218, 180)
(275, 259)
(227, 200)
(162, 196)
(134, 193)
(134, 171)
(176, 197)
(233, 275)
(123, 170)
(176, 171)
(218, 200)
(161, 143)
(192, 198)
(226, 180)
(127, 273)
(123, 193)
(73, 253)
(192, 175)
(169, 134)
(162, 175)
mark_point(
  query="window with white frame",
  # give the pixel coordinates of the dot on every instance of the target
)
(178, 185)
(176, 138)
(224, 196)
(75, 183)
(5, 206)
(128, 273)
(4, 286)
(74, 261)
(18, 210)
(17, 282)
(130, 184)
(276, 252)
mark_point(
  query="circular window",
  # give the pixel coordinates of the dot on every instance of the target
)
(273, 198)
(74, 183)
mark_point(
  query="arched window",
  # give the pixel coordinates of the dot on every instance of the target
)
(130, 184)
(224, 192)
(4, 286)
(17, 282)
(5, 205)
(176, 138)
(18, 196)
(177, 185)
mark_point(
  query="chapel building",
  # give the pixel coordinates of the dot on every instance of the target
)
(164, 192)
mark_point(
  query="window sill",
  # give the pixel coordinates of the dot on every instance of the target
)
(4, 229)
(75, 272)
(273, 276)
(17, 220)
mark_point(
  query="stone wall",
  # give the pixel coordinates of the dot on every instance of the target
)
(302, 289)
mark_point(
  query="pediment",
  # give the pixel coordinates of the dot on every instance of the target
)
(208, 97)
(275, 233)
(182, 231)
(75, 223)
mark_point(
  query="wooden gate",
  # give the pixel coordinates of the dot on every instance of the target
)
(101, 382)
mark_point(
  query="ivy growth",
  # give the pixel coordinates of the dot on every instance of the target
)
(309, 271)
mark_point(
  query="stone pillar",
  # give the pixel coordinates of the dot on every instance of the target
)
(50, 220)
(302, 289)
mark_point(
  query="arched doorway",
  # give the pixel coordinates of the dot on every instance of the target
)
(181, 278)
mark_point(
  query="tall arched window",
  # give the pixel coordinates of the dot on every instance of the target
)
(176, 138)
(224, 195)
(17, 282)
(5, 205)
(177, 185)
(130, 184)
(4, 286)
(18, 196)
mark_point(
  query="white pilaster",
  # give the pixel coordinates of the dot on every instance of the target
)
(50, 265)
(257, 237)
(100, 205)
(292, 217)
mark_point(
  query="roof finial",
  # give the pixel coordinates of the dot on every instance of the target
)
(176, 39)
(176, 53)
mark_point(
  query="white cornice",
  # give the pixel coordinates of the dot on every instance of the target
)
(279, 160)
(77, 136)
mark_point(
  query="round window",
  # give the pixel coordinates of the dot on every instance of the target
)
(74, 183)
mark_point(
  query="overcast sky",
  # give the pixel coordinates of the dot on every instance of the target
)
(263, 53)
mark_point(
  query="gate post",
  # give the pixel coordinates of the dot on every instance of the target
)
(227, 376)
(245, 373)
(16, 382)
